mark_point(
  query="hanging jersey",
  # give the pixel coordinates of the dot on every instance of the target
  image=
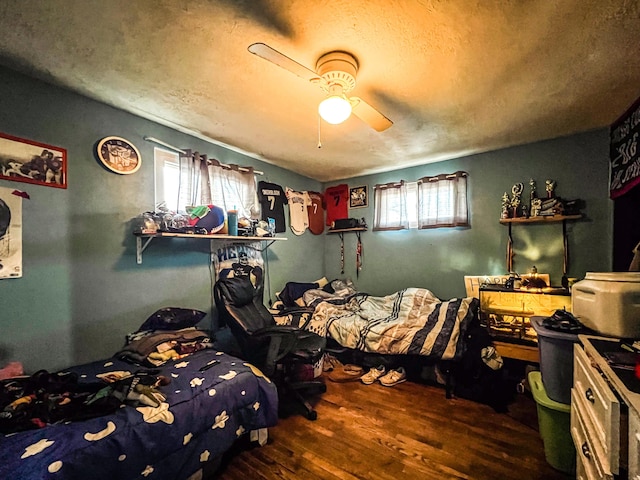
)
(272, 199)
(337, 202)
(298, 216)
(316, 213)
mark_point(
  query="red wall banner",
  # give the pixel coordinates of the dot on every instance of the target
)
(624, 155)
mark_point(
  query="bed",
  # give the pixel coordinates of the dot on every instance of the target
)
(414, 328)
(410, 328)
(211, 400)
(412, 321)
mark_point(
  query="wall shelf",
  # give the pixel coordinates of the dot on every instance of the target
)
(347, 230)
(541, 219)
(144, 239)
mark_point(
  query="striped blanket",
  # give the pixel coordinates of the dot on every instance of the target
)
(410, 321)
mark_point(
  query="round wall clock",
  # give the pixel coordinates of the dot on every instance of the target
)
(119, 155)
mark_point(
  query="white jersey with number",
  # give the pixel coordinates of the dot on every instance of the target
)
(298, 216)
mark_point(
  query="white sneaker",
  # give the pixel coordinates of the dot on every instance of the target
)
(373, 374)
(394, 377)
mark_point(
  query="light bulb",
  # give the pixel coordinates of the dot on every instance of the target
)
(335, 109)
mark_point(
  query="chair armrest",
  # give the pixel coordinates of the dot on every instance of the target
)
(282, 340)
(295, 314)
(276, 330)
(301, 312)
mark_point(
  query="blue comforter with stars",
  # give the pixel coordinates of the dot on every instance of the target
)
(207, 406)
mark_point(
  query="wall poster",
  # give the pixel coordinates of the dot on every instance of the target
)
(238, 260)
(10, 234)
(623, 152)
(358, 197)
(23, 160)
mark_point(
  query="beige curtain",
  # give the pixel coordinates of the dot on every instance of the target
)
(232, 188)
(442, 201)
(390, 206)
(205, 181)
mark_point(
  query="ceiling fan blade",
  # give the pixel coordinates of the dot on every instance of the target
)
(265, 51)
(370, 115)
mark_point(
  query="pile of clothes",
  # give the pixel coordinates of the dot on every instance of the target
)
(41, 399)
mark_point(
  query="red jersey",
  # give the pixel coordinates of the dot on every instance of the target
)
(337, 202)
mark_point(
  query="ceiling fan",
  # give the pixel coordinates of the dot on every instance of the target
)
(336, 75)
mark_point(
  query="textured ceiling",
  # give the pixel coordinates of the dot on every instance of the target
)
(456, 77)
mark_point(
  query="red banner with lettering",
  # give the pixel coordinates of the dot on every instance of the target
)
(623, 152)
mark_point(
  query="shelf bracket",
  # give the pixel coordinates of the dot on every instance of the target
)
(266, 247)
(341, 235)
(140, 247)
(565, 253)
(509, 251)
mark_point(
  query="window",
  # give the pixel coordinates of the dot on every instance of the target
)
(442, 201)
(431, 202)
(390, 207)
(167, 170)
(231, 188)
(191, 179)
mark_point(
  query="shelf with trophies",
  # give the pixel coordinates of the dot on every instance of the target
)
(506, 309)
(547, 209)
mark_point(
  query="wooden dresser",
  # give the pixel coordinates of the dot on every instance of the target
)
(605, 412)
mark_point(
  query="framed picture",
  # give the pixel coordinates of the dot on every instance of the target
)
(119, 155)
(358, 197)
(23, 160)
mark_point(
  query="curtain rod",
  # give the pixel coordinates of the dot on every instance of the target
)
(179, 150)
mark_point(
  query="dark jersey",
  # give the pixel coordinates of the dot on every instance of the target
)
(272, 200)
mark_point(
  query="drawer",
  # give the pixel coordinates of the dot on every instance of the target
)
(581, 473)
(589, 461)
(600, 409)
(634, 446)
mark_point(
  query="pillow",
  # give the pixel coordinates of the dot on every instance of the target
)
(328, 288)
(172, 318)
(322, 282)
(293, 291)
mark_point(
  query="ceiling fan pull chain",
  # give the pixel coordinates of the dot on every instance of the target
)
(319, 141)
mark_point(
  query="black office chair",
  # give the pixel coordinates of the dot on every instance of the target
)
(278, 350)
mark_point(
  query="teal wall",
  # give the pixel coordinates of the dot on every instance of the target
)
(81, 289)
(438, 259)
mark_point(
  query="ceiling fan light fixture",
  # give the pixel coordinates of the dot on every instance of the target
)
(335, 74)
(335, 109)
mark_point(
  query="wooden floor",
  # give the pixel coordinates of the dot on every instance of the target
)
(409, 431)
